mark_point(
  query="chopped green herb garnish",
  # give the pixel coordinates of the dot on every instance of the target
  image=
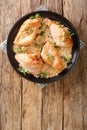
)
(63, 34)
(72, 34)
(70, 61)
(64, 58)
(32, 17)
(51, 57)
(37, 16)
(42, 25)
(20, 49)
(55, 45)
(22, 70)
(29, 31)
(63, 39)
(69, 32)
(42, 33)
(43, 74)
(38, 45)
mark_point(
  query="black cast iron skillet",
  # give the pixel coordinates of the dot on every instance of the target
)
(53, 16)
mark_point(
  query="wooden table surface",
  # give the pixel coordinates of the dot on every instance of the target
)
(60, 105)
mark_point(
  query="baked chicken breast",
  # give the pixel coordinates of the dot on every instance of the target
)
(27, 32)
(51, 56)
(60, 34)
(31, 62)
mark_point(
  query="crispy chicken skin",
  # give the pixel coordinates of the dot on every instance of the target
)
(60, 35)
(27, 32)
(50, 55)
(31, 62)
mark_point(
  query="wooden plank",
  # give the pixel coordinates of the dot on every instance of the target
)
(74, 87)
(84, 83)
(25, 7)
(52, 110)
(52, 113)
(73, 102)
(83, 36)
(31, 94)
(53, 5)
(32, 106)
(10, 86)
(0, 73)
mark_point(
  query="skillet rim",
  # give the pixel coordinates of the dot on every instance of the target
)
(29, 76)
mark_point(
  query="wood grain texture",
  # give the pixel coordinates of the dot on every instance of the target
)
(0, 73)
(60, 105)
(31, 94)
(31, 106)
(53, 5)
(52, 111)
(10, 86)
(83, 35)
(76, 90)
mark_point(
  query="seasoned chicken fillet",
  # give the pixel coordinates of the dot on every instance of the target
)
(31, 62)
(51, 56)
(27, 32)
(60, 34)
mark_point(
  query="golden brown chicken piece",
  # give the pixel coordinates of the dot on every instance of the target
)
(60, 34)
(51, 56)
(27, 32)
(31, 62)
